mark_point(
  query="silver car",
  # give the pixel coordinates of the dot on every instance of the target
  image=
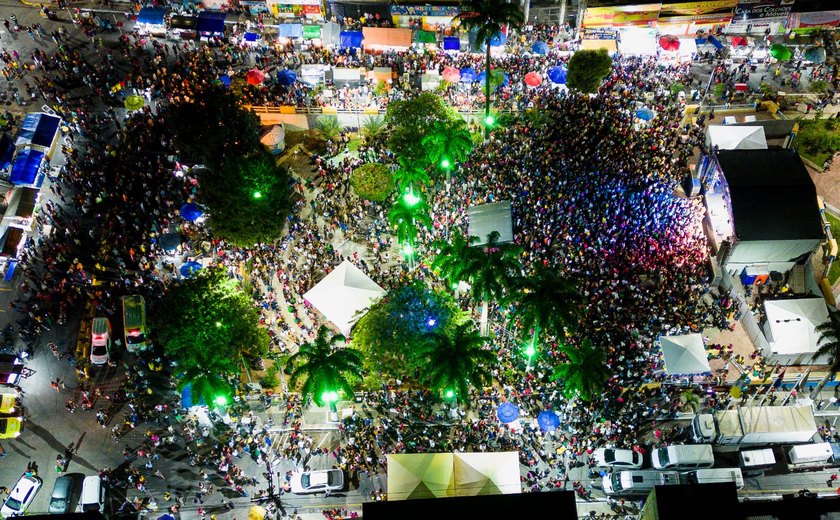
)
(317, 481)
(61, 494)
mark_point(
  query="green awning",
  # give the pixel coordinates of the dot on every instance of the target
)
(311, 31)
(426, 37)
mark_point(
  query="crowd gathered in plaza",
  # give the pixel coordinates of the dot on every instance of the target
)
(594, 193)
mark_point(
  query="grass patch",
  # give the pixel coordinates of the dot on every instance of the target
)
(818, 139)
(353, 145)
(834, 272)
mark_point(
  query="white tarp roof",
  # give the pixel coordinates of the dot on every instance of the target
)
(684, 354)
(436, 475)
(638, 41)
(344, 295)
(736, 137)
(792, 323)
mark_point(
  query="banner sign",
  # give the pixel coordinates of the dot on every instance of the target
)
(698, 8)
(295, 2)
(815, 20)
(600, 34)
(424, 10)
(645, 14)
(762, 10)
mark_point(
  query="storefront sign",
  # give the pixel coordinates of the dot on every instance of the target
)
(698, 8)
(424, 10)
(600, 34)
(762, 10)
(295, 2)
(645, 14)
(814, 20)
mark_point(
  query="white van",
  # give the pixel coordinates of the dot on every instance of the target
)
(810, 453)
(683, 457)
(100, 341)
(93, 495)
(715, 475)
(638, 482)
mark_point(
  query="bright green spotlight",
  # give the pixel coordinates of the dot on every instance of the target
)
(220, 400)
(330, 396)
(530, 350)
(489, 120)
(449, 394)
(218, 324)
(410, 199)
(445, 164)
(257, 195)
(408, 250)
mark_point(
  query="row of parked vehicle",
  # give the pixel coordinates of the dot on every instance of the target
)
(91, 495)
(11, 410)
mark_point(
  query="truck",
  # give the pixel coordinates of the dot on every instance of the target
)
(755, 426)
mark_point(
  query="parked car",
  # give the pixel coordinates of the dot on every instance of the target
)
(21, 496)
(93, 495)
(10, 427)
(61, 494)
(9, 400)
(317, 481)
(11, 369)
(615, 458)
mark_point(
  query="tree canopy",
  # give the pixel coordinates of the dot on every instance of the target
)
(584, 371)
(587, 69)
(324, 366)
(457, 359)
(247, 199)
(372, 181)
(410, 120)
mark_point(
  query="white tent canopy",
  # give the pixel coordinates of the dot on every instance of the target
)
(437, 475)
(344, 295)
(790, 328)
(736, 137)
(684, 354)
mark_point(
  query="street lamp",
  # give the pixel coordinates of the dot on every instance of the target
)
(489, 120)
(445, 164)
(410, 199)
(220, 400)
(257, 195)
(331, 397)
(530, 352)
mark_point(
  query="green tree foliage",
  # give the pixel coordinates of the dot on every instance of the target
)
(206, 324)
(584, 372)
(405, 218)
(818, 139)
(409, 175)
(372, 181)
(829, 342)
(247, 200)
(391, 333)
(328, 128)
(457, 360)
(324, 365)
(212, 128)
(486, 18)
(410, 120)
(449, 140)
(587, 69)
(372, 128)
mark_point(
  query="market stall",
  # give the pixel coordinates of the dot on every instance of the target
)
(27, 168)
(386, 39)
(638, 41)
(290, 30)
(210, 25)
(40, 131)
(150, 21)
(182, 27)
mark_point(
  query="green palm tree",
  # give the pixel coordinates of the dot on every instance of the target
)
(452, 257)
(323, 365)
(584, 372)
(405, 217)
(328, 128)
(458, 360)
(409, 175)
(546, 300)
(372, 128)
(487, 17)
(829, 342)
(448, 144)
(491, 273)
(206, 379)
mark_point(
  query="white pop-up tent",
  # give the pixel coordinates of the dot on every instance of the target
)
(790, 329)
(684, 354)
(727, 137)
(344, 295)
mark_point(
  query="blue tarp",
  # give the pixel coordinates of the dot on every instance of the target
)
(290, 30)
(540, 48)
(714, 41)
(151, 15)
(7, 151)
(212, 23)
(190, 211)
(350, 39)
(225, 80)
(188, 268)
(700, 41)
(498, 39)
(10, 270)
(251, 37)
(38, 129)
(451, 43)
(468, 75)
(26, 167)
(286, 77)
(557, 74)
(645, 114)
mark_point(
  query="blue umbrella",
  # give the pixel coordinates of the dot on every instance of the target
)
(225, 79)
(169, 241)
(190, 212)
(557, 74)
(483, 76)
(286, 77)
(468, 75)
(167, 516)
(540, 48)
(507, 412)
(645, 114)
(498, 39)
(815, 54)
(548, 421)
(189, 268)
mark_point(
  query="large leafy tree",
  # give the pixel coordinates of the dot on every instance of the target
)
(584, 372)
(457, 360)
(448, 144)
(212, 127)
(247, 200)
(324, 366)
(587, 69)
(391, 333)
(207, 324)
(487, 17)
(546, 300)
(409, 175)
(452, 258)
(372, 181)
(410, 120)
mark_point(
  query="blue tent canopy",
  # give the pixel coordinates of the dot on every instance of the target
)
(27, 166)
(350, 39)
(468, 75)
(151, 15)
(714, 41)
(187, 398)
(7, 151)
(645, 114)
(548, 421)
(251, 37)
(540, 48)
(286, 77)
(557, 74)
(700, 41)
(498, 39)
(451, 43)
(482, 76)
(38, 129)
(190, 211)
(210, 23)
(188, 268)
(290, 30)
(507, 412)
(225, 79)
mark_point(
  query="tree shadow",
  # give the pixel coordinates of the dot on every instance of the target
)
(54, 443)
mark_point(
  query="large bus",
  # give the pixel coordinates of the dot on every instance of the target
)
(134, 322)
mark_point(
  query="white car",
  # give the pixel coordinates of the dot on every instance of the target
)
(21, 496)
(317, 481)
(615, 458)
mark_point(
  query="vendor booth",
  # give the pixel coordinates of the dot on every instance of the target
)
(182, 27)
(386, 39)
(350, 39)
(344, 295)
(790, 329)
(309, 9)
(430, 81)
(638, 41)
(290, 30)
(346, 76)
(210, 25)
(150, 21)
(380, 74)
(27, 168)
(312, 74)
(684, 355)
(451, 44)
(20, 211)
(39, 130)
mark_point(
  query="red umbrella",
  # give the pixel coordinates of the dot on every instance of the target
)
(532, 79)
(254, 77)
(451, 74)
(739, 41)
(669, 43)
